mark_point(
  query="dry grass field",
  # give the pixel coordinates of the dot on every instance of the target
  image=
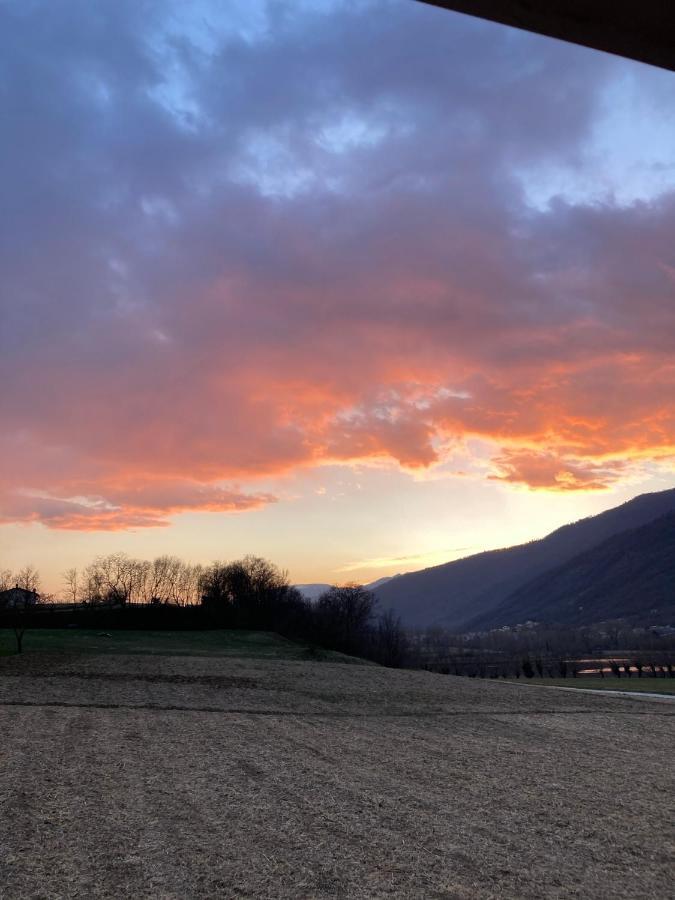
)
(193, 776)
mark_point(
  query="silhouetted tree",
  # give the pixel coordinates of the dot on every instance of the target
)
(344, 616)
(248, 593)
(7, 579)
(19, 615)
(28, 579)
(72, 583)
(390, 640)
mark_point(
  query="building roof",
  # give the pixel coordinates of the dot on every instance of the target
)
(16, 592)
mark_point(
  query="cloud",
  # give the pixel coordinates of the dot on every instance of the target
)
(542, 470)
(125, 508)
(242, 247)
(408, 562)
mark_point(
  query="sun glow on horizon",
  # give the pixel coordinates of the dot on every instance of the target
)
(306, 301)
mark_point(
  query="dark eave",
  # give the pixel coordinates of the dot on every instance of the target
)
(638, 29)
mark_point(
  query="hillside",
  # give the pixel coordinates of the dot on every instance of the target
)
(456, 593)
(314, 591)
(630, 575)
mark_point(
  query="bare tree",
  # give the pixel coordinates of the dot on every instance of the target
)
(116, 578)
(19, 615)
(6, 579)
(28, 578)
(190, 584)
(391, 641)
(249, 592)
(72, 583)
(344, 615)
(527, 667)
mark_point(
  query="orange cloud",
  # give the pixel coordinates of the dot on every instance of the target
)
(547, 471)
(149, 506)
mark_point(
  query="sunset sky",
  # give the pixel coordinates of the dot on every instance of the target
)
(359, 286)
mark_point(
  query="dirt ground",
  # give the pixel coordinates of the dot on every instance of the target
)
(180, 777)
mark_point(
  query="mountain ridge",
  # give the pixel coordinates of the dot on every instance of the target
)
(631, 574)
(454, 594)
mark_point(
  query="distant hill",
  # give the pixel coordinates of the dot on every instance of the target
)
(374, 585)
(459, 592)
(630, 575)
(314, 591)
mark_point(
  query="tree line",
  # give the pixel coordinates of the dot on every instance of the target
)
(117, 590)
(546, 651)
(251, 593)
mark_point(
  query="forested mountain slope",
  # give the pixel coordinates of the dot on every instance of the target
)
(628, 576)
(458, 592)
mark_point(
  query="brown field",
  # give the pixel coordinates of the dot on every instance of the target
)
(180, 777)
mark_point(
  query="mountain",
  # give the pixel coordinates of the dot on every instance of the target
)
(314, 591)
(459, 592)
(374, 585)
(630, 575)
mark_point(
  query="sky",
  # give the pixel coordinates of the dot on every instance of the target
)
(360, 287)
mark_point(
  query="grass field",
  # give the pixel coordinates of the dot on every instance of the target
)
(255, 644)
(217, 775)
(652, 685)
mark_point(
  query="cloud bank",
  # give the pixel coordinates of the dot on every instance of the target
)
(302, 234)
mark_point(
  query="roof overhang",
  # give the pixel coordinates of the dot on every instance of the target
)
(638, 29)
